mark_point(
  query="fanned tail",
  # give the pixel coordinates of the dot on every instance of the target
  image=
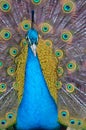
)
(61, 23)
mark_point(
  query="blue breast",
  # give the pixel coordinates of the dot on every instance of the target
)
(37, 108)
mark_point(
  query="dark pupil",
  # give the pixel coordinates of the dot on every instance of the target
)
(58, 53)
(64, 114)
(65, 36)
(70, 65)
(10, 116)
(72, 122)
(45, 28)
(11, 70)
(67, 7)
(14, 51)
(2, 86)
(26, 26)
(6, 34)
(59, 70)
(5, 5)
(3, 122)
(79, 123)
(69, 86)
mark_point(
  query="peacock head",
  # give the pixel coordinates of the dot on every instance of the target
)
(32, 38)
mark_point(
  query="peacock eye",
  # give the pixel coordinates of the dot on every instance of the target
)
(15, 85)
(3, 87)
(68, 7)
(10, 116)
(48, 43)
(72, 122)
(36, 2)
(59, 54)
(79, 123)
(5, 6)
(58, 84)
(13, 51)
(71, 66)
(25, 25)
(64, 113)
(70, 88)
(11, 71)
(1, 64)
(60, 71)
(66, 36)
(3, 122)
(24, 42)
(5, 34)
(45, 28)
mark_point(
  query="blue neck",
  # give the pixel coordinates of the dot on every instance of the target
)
(37, 108)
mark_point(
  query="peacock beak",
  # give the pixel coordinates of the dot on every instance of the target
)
(33, 47)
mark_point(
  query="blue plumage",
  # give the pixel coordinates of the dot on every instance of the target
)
(62, 52)
(32, 35)
(37, 108)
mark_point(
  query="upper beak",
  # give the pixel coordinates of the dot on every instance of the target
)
(33, 47)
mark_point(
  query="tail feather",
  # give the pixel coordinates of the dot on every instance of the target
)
(64, 23)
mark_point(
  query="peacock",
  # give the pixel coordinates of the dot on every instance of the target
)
(43, 64)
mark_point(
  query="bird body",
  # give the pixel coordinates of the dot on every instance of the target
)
(41, 108)
(43, 63)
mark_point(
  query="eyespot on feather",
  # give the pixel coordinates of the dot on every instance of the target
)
(71, 66)
(3, 123)
(10, 116)
(11, 71)
(3, 87)
(25, 25)
(63, 116)
(59, 54)
(60, 71)
(58, 84)
(68, 6)
(5, 6)
(36, 2)
(1, 64)
(48, 43)
(66, 36)
(5, 34)
(45, 28)
(70, 87)
(13, 51)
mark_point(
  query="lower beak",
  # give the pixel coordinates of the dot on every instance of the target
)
(33, 47)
